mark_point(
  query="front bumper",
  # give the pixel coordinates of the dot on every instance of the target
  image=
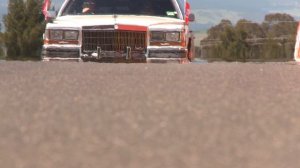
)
(153, 55)
(167, 52)
(60, 53)
(115, 57)
(167, 55)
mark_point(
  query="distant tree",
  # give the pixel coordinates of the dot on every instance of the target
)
(272, 50)
(0, 33)
(242, 47)
(273, 39)
(216, 31)
(280, 25)
(14, 23)
(234, 45)
(252, 29)
(274, 18)
(281, 31)
(24, 28)
(228, 38)
(35, 27)
(1, 37)
(1, 43)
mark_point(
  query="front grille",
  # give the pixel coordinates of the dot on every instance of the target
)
(113, 40)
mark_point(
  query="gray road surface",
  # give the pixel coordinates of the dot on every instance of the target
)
(89, 115)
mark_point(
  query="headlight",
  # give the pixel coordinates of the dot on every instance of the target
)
(173, 36)
(71, 35)
(56, 34)
(165, 36)
(63, 34)
(157, 36)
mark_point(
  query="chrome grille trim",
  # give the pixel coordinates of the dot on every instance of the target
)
(113, 40)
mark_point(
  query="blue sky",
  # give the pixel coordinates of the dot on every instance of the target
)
(210, 12)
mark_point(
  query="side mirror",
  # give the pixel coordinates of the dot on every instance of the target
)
(192, 17)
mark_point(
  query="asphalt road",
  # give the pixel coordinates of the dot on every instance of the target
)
(89, 115)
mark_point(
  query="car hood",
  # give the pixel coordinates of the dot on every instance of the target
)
(149, 22)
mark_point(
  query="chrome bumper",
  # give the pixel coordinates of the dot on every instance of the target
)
(167, 55)
(167, 52)
(60, 53)
(153, 55)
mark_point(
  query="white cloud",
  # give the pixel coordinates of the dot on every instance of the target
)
(285, 3)
(214, 16)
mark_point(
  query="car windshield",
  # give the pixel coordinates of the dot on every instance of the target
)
(164, 8)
